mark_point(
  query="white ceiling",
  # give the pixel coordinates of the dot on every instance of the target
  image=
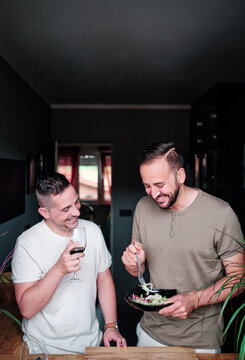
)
(124, 52)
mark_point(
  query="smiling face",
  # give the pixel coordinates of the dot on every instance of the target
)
(61, 211)
(161, 182)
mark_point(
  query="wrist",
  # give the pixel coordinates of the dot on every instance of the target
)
(111, 325)
(57, 269)
(196, 299)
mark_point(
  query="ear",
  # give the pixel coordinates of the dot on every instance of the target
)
(181, 175)
(44, 212)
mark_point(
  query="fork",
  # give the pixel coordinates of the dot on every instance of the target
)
(140, 275)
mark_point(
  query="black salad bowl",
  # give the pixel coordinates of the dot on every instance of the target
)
(137, 290)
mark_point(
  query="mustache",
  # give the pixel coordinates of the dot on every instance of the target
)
(72, 218)
(162, 195)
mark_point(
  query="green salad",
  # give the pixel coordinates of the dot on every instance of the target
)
(155, 299)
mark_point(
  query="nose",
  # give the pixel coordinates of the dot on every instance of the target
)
(154, 193)
(75, 211)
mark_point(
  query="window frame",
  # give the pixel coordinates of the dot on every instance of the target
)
(85, 149)
(101, 198)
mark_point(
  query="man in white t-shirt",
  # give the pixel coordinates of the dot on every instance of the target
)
(59, 315)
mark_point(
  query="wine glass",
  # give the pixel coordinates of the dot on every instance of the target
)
(78, 234)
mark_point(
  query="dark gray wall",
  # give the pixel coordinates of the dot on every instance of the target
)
(129, 131)
(24, 129)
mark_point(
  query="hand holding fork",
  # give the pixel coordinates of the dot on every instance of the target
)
(140, 276)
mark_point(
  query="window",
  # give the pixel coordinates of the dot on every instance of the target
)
(89, 171)
(106, 166)
(88, 177)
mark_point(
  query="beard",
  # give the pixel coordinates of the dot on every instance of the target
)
(172, 198)
(71, 222)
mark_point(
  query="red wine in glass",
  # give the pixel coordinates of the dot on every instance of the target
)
(77, 250)
(78, 235)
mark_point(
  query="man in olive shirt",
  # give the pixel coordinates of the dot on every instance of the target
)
(187, 238)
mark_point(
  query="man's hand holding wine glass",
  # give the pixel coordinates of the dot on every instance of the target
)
(68, 263)
(79, 237)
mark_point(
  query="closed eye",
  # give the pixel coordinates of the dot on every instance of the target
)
(160, 185)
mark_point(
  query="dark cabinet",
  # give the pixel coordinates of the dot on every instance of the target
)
(218, 117)
(218, 155)
(218, 144)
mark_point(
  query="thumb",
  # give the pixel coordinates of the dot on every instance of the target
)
(137, 245)
(71, 244)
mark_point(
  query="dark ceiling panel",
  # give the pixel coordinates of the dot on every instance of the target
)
(123, 52)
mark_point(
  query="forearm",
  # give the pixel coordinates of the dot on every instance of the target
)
(107, 300)
(213, 294)
(107, 297)
(38, 295)
(181, 305)
(234, 267)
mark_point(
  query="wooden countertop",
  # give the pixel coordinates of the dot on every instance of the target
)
(11, 341)
(81, 357)
(152, 353)
(133, 353)
(50, 357)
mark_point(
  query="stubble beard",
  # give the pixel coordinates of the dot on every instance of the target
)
(73, 223)
(172, 198)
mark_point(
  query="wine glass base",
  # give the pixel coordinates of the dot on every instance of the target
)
(75, 278)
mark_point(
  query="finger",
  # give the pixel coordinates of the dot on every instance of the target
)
(129, 257)
(132, 249)
(124, 343)
(74, 267)
(119, 343)
(77, 263)
(106, 341)
(71, 244)
(168, 311)
(170, 300)
(138, 246)
(180, 316)
(76, 256)
(129, 261)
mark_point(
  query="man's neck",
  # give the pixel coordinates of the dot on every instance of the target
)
(185, 198)
(55, 229)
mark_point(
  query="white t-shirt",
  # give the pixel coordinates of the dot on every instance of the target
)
(68, 323)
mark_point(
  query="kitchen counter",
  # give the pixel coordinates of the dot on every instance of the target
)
(11, 341)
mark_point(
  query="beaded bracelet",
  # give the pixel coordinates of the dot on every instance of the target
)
(197, 298)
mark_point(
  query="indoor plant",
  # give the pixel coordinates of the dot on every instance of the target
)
(238, 316)
(7, 297)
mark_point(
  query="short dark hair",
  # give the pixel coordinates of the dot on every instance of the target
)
(154, 151)
(51, 183)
